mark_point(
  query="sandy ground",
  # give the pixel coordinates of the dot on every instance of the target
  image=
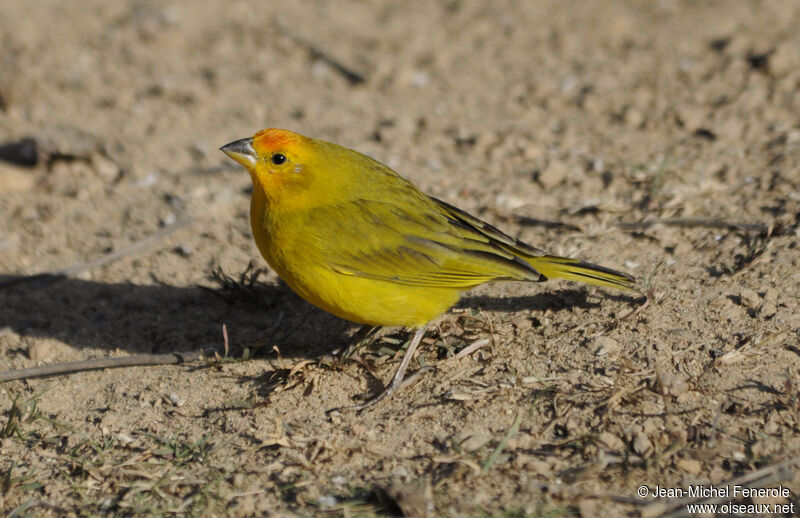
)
(661, 138)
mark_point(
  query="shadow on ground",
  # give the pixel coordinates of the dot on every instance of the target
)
(163, 318)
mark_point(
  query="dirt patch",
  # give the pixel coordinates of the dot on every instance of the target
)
(659, 138)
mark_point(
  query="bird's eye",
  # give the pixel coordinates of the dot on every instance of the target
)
(278, 158)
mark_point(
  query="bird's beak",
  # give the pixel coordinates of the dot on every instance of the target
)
(241, 151)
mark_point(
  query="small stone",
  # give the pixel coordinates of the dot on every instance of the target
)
(651, 426)
(761, 449)
(634, 117)
(792, 320)
(107, 169)
(684, 397)
(535, 152)
(421, 79)
(40, 351)
(15, 179)
(434, 164)
(523, 323)
(611, 441)
(538, 466)
(184, 250)
(400, 472)
(605, 345)
(693, 117)
(169, 219)
(730, 129)
(589, 507)
(772, 425)
(750, 298)
(175, 400)
(148, 180)
(727, 309)
(768, 310)
(785, 59)
(328, 500)
(474, 442)
(718, 474)
(642, 444)
(555, 173)
(689, 466)
(672, 383)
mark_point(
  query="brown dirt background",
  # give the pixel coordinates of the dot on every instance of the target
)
(589, 114)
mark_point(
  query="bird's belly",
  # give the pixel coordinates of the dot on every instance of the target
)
(368, 301)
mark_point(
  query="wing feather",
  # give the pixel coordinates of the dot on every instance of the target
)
(436, 245)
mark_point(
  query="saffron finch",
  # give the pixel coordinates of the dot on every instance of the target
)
(354, 238)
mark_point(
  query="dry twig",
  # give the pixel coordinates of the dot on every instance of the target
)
(104, 363)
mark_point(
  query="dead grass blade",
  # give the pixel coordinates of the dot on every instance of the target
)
(512, 431)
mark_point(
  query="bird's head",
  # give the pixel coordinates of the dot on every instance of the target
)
(288, 167)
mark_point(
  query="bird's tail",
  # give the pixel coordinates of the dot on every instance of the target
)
(554, 267)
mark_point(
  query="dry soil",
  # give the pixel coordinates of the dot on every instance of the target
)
(661, 138)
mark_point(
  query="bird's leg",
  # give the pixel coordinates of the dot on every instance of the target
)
(397, 379)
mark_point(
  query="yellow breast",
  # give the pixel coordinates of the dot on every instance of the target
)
(298, 260)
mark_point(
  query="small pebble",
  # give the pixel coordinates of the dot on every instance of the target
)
(328, 500)
(611, 441)
(149, 180)
(690, 466)
(538, 466)
(183, 250)
(169, 219)
(552, 175)
(642, 444)
(750, 298)
(605, 345)
(107, 169)
(474, 442)
(15, 179)
(40, 350)
(421, 79)
(768, 310)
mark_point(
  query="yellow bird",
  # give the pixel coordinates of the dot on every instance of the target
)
(354, 238)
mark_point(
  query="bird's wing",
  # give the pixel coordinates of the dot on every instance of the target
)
(473, 225)
(433, 244)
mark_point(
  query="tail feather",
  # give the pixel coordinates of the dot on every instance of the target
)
(554, 267)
